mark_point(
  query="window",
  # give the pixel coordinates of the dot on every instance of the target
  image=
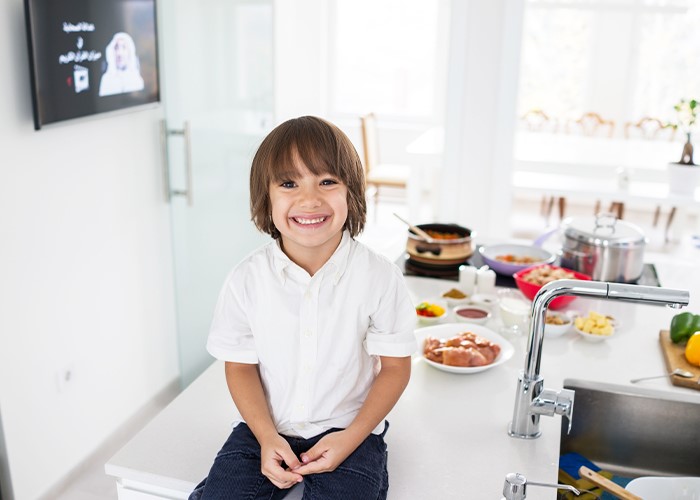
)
(623, 59)
(388, 56)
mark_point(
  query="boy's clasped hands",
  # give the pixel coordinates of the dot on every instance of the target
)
(330, 451)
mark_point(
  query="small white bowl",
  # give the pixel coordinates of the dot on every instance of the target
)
(593, 337)
(481, 315)
(453, 302)
(552, 330)
(485, 300)
(431, 320)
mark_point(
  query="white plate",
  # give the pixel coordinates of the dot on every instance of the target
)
(666, 488)
(448, 330)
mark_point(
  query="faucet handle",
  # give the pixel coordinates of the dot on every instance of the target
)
(515, 486)
(550, 402)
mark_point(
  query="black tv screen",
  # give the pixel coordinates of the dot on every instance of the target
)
(91, 56)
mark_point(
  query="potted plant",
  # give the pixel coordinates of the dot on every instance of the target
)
(684, 174)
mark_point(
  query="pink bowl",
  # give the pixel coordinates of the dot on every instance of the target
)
(530, 289)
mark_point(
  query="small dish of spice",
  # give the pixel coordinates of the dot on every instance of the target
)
(472, 314)
(455, 297)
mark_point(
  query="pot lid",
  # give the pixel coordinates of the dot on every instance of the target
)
(603, 230)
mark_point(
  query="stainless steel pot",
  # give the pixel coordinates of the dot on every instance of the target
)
(441, 252)
(604, 247)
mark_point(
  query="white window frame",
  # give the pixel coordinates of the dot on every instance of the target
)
(442, 46)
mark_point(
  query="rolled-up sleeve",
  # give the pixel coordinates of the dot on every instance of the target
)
(230, 337)
(392, 324)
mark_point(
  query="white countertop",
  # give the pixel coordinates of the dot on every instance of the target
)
(448, 436)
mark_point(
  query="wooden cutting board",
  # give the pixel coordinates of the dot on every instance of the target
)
(674, 356)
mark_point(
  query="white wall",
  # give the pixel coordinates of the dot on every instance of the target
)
(85, 276)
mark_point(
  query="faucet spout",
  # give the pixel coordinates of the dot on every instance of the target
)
(529, 400)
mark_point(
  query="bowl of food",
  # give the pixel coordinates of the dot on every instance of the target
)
(430, 312)
(556, 324)
(507, 258)
(463, 349)
(475, 315)
(455, 297)
(532, 279)
(595, 327)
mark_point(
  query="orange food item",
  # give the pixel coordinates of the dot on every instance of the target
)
(515, 259)
(692, 349)
(466, 350)
(438, 235)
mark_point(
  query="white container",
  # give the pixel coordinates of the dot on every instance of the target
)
(467, 279)
(486, 281)
(683, 179)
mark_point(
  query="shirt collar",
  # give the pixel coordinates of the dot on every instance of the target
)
(337, 263)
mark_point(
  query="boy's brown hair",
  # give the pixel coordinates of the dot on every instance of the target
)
(323, 148)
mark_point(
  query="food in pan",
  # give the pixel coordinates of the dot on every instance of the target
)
(517, 259)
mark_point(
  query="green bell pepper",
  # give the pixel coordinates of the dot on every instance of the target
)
(684, 325)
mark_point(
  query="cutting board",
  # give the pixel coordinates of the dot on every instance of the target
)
(674, 356)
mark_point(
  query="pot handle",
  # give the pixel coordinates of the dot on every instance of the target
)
(539, 241)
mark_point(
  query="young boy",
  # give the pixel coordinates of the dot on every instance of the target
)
(316, 330)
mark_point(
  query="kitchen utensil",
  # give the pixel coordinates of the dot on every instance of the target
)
(674, 357)
(607, 484)
(677, 373)
(490, 254)
(415, 229)
(445, 252)
(603, 247)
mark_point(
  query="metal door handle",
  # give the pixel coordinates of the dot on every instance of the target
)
(165, 132)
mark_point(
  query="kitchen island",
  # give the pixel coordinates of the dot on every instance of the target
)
(448, 436)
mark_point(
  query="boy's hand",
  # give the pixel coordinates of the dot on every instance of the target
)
(272, 453)
(330, 451)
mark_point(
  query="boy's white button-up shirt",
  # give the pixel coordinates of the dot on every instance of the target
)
(316, 339)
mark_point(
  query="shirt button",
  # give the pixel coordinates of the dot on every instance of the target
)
(307, 367)
(307, 295)
(308, 333)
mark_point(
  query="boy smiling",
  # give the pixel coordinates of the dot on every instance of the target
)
(316, 330)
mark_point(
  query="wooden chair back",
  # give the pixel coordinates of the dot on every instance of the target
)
(370, 144)
(649, 128)
(536, 120)
(592, 125)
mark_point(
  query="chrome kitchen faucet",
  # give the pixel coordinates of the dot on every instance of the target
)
(531, 399)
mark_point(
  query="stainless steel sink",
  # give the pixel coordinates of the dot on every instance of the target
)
(634, 431)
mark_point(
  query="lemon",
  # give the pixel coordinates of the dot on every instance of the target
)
(692, 349)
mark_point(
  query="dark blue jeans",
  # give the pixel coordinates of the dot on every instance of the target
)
(236, 474)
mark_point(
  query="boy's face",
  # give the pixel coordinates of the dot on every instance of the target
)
(309, 211)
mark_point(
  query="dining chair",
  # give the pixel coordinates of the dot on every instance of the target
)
(591, 124)
(649, 128)
(536, 120)
(379, 174)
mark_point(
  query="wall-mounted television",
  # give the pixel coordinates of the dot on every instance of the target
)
(91, 56)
